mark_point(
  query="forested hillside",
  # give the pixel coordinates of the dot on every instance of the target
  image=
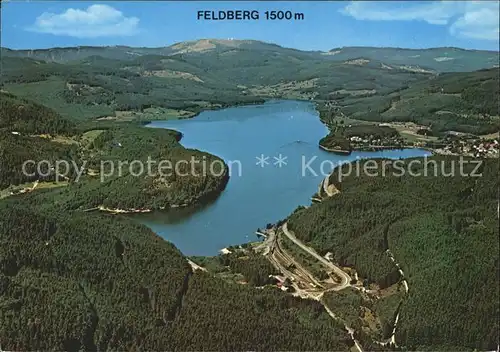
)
(442, 230)
(28, 117)
(123, 84)
(101, 159)
(76, 281)
(15, 150)
(96, 86)
(99, 87)
(176, 176)
(437, 59)
(464, 102)
(24, 128)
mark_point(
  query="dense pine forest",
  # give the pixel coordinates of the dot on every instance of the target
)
(443, 231)
(73, 281)
(33, 132)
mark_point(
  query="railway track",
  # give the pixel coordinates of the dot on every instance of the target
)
(299, 275)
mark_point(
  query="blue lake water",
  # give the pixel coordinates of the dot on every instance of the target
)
(255, 195)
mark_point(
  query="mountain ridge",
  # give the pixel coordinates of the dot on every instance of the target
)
(252, 41)
(440, 59)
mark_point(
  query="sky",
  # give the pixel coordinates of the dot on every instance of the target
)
(326, 25)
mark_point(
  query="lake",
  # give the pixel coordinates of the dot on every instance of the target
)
(285, 135)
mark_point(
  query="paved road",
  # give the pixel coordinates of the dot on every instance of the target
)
(326, 187)
(272, 245)
(267, 243)
(345, 278)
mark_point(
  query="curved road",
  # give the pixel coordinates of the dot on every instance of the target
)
(345, 278)
(327, 186)
(269, 244)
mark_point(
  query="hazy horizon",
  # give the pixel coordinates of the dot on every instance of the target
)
(246, 39)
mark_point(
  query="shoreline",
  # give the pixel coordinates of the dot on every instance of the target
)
(381, 148)
(196, 114)
(336, 151)
(216, 193)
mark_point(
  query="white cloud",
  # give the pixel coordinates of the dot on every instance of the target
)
(471, 19)
(479, 21)
(95, 21)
